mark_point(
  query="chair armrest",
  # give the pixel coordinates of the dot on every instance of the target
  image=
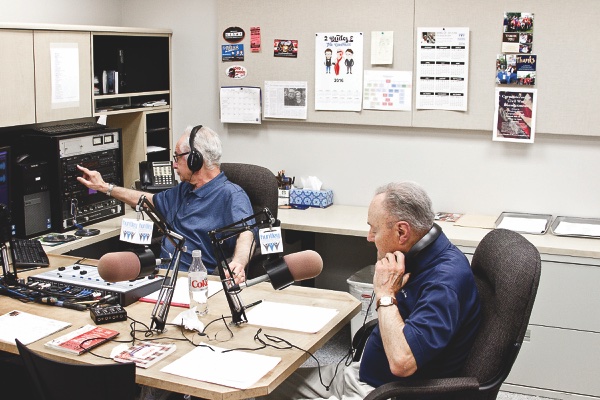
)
(418, 388)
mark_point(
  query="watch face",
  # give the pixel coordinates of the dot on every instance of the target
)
(386, 301)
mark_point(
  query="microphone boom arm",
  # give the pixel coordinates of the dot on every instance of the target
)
(163, 303)
(220, 235)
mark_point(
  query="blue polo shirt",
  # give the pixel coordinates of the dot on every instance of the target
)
(440, 307)
(194, 213)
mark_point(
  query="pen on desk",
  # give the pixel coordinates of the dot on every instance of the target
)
(252, 304)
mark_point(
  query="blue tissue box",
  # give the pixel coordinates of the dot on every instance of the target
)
(311, 198)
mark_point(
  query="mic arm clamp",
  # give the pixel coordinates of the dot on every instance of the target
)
(218, 237)
(163, 303)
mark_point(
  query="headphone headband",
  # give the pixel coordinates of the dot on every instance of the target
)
(194, 159)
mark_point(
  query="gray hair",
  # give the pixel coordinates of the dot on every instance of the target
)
(207, 142)
(407, 201)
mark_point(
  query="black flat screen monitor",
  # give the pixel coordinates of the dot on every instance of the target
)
(5, 198)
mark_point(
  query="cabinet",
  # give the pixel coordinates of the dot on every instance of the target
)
(559, 356)
(17, 101)
(63, 85)
(44, 76)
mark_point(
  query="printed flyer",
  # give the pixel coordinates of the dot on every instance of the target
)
(514, 119)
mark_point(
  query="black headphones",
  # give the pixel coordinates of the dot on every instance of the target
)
(194, 159)
(425, 241)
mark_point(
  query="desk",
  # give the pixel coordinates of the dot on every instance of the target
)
(352, 221)
(108, 229)
(347, 305)
(561, 355)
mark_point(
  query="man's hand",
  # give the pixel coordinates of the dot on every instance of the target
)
(389, 275)
(237, 269)
(92, 179)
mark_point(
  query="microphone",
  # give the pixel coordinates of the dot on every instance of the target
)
(128, 265)
(284, 271)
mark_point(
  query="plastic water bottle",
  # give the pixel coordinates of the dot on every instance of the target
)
(198, 284)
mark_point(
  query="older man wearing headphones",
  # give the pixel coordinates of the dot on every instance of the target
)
(204, 200)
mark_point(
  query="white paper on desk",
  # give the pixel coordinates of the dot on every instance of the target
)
(293, 317)
(236, 368)
(571, 228)
(181, 294)
(28, 328)
(527, 225)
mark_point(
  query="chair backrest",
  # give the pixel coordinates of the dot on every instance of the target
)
(55, 380)
(258, 182)
(507, 270)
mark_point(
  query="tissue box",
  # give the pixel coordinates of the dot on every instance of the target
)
(312, 198)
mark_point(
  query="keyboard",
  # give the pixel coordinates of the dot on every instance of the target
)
(27, 253)
(69, 128)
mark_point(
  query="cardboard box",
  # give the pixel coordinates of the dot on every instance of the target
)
(311, 198)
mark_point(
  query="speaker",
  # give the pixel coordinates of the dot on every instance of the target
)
(194, 159)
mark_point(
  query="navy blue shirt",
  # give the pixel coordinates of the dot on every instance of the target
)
(194, 213)
(440, 307)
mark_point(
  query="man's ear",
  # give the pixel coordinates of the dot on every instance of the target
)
(403, 231)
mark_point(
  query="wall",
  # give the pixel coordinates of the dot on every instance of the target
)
(76, 12)
(463, 170)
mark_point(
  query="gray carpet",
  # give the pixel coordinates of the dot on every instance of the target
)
(338, 346)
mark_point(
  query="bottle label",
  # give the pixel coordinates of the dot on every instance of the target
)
(198, 283)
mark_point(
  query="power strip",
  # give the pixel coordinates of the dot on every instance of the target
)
(104, 314)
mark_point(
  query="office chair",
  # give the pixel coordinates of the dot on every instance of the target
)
(55, 380)
(258, 182)
(260, 185)
(507, 271)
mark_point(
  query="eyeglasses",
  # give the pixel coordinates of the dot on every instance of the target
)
(176, 156)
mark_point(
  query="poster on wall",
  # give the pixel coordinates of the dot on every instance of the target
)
(338, 71)
(442, 68)
(514, 117)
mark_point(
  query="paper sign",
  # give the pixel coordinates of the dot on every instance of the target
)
(136, 231)
(270, 240)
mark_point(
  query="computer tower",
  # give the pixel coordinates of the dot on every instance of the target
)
(31, 212)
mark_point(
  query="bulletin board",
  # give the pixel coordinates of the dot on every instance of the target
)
(567, 82)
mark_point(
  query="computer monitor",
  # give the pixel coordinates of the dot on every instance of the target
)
(5, 194)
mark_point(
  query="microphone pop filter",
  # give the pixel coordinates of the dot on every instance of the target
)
(119, 266)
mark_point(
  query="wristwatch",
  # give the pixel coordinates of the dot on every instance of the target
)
(385, 301)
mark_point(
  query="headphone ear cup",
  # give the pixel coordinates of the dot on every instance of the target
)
(195, 160)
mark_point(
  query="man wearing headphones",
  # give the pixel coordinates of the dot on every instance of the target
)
(204, 200)
(426, 300)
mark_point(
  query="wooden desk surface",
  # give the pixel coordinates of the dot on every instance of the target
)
(352, 221)
(243, 335)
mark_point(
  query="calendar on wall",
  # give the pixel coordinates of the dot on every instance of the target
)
(442, 68)
(241, 104)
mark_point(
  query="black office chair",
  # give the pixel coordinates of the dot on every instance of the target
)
(507, 270)
(260, 185)
(55, 380)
